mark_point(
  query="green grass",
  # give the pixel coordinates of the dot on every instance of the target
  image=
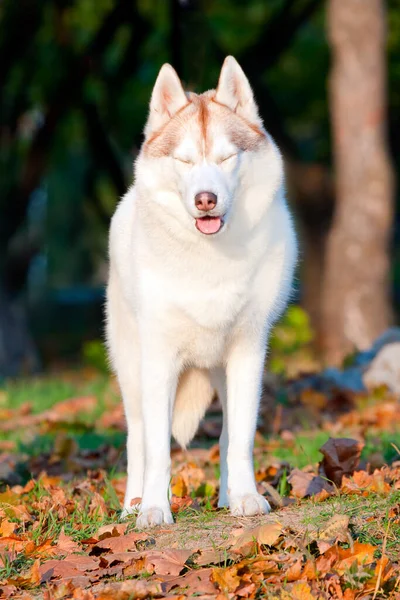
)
(43, 393)
(369, 517)
(305, 448)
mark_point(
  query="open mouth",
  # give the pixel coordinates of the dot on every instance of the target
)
(209, 225)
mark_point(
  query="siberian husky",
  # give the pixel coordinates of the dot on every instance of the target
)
(202, 253)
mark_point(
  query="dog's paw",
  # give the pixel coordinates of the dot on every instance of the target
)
(153, 516)
(249, 505)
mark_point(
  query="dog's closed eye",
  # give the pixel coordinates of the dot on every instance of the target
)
(183, 160)
(222, 160)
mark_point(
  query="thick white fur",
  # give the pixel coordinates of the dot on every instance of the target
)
(185, 309)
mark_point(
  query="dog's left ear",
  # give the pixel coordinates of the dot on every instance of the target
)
(234, 91)
(167, 98)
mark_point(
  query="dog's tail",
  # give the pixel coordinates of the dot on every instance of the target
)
(193, 396)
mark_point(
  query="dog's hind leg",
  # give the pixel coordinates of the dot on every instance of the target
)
(122, 340)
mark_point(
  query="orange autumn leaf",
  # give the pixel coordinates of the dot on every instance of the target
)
(227, 579)
(29, 578)
(179, 487)
(7, 528)
(361, 553)
(363, 483)
(301, 591)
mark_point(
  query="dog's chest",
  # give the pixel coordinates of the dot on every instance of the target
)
(199, 316)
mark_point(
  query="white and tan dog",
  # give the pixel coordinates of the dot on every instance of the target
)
(202, 252)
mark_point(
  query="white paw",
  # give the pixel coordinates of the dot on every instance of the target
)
(153, 516)
(249, 505)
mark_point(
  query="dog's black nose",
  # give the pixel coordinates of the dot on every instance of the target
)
(205, 201)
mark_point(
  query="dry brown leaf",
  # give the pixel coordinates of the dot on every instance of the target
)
(178, 504)
(6, 591)
(362, 483)
(307, 484)
(121, 543)
(98, 506)
(245, 590)
(344, 558)
(166, 562)
(301, 591)
(267, 535)
(66, 545)
(13, 542)
(135, 588)
(42, 550)
(226, 579)
(196, 582)
(208, 556)
(293, 573)
(336, 529)
(67, 568)
(7, 528)
(29, 578)
(111, 530)
(192, 475)
(178, 486)
(341, 457)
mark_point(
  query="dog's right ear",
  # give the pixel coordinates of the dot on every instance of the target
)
(167, 98)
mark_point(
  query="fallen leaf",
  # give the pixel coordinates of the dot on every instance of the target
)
(363, 483)
(7, 528)
(178, 486)
(178, 504)
(336, 529)
(266, 535)
(209, 556)
(121, 543)
(125, 590)
(111, 530)
(166, 562)
(345, 557)
(196, 582)
(307, 484)
(301, 591)
(341, 457)
(226, 579)
(67, 568)
(66, 545)
(29, 578)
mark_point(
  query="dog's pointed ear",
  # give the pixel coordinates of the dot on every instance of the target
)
(234, 91)
(166, 99)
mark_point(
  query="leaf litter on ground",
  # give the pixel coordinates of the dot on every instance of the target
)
(335, 532)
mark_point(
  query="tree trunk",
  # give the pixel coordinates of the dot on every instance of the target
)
(355, 297)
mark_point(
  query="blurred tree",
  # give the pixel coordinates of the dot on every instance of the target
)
(356, 292)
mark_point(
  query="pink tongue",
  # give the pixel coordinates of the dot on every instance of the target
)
(209, 225)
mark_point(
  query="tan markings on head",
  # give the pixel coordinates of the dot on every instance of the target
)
(165, 139)
(245, 135)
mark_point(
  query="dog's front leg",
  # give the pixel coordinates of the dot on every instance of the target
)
(244, 373)
(159, 382)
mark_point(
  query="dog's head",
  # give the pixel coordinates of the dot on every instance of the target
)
(202, 147)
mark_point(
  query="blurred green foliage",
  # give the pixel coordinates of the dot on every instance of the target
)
(290, 340)
(95, 356)
(76, 80)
